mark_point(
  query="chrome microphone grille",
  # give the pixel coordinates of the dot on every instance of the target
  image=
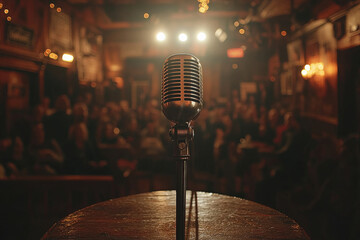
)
(192, 81)
(171, 88)
(181, 90)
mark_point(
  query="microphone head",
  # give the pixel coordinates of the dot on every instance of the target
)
(181, 88)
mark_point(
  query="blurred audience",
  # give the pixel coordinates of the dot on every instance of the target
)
(57, 124)
(45, 154)
(259, 153)
(79, 152)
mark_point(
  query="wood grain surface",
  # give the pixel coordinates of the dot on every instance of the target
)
(152, 216)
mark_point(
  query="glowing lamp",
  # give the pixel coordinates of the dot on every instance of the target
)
(235, 52)
(53, 56)
(202, 10)
(66, 57)
(312, 69)
(304, 73)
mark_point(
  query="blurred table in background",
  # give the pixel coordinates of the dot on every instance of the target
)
(152, 216)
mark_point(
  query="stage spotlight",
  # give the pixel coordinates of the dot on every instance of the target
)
(160, 36)
(183, 37)
(201, 36)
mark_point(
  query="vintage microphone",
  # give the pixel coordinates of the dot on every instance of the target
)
(181, 102)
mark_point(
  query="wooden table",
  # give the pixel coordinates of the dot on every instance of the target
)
(152, 216)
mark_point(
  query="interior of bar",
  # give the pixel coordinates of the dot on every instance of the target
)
(82, 107)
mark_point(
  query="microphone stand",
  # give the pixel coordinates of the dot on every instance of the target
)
(181, 134)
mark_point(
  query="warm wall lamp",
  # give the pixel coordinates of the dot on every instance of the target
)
(67, 57)
(312, 69)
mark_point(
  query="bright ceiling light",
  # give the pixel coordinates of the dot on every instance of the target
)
(160, 36)
(201, 36)
(183, 37)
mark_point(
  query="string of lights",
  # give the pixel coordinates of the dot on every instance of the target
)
(6, 11)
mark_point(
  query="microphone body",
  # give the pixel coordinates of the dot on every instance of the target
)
(181, 89)
(181, 102)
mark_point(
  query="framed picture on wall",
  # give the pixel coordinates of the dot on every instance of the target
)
(17, 91)
(89, 62)
(296, 53)
(60, 30)
(19, 35)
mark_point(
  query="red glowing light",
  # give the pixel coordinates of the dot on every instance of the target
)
(235, 53)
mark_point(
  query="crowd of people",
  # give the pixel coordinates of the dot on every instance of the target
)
(82, 138)
(299, 172)
(76, 139)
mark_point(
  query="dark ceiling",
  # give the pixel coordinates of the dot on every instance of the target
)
(114, 14)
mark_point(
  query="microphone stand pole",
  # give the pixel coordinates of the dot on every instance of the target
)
(181, 134)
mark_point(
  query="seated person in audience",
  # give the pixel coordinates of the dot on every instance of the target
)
(269, 125)
(280, 129)
(80, 113)
(293, 151)
(5, 144)
(109, 136)
(93, 122)
(220, 150)
(113, 114)
(79, 154)
(151, 146)
(15, 160)
(57, 125)
(45, 154)
(250, 117)
(113, 149)
(2, 171)
(131, 132)
(151, 140)
(37, 116)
